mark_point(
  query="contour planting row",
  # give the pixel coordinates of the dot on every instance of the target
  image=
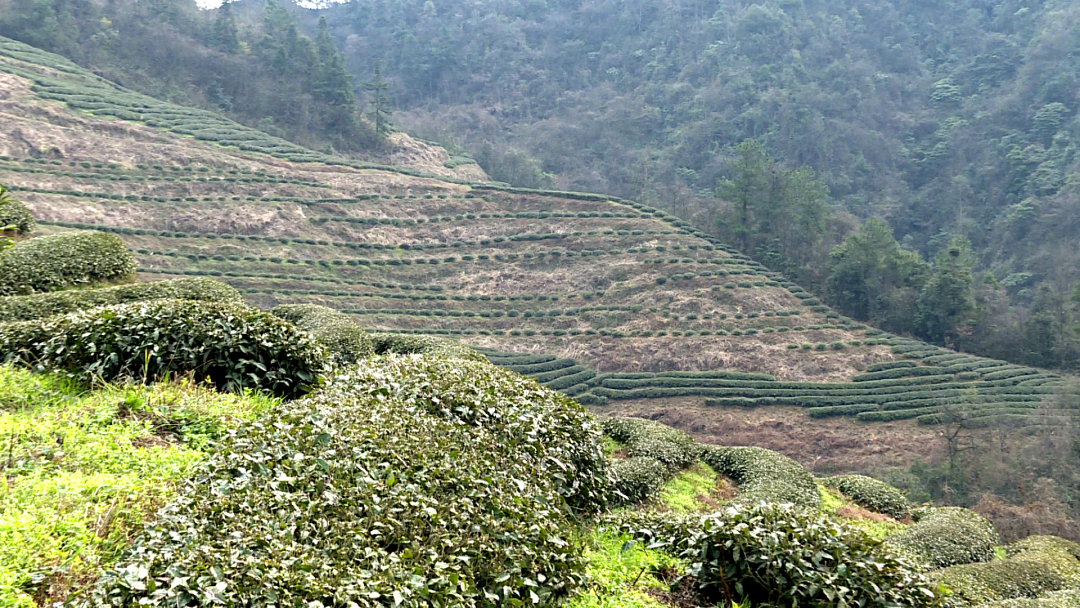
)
(931, 399)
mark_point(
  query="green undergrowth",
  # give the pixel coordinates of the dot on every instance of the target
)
(833, 503)
(622, 571)
(82, 471)
(692, 490)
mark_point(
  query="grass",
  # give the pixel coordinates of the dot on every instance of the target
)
(691, 491)
(840, 507)
(82, 471)
(621, 573)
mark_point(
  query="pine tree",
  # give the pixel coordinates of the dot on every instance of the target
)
(332, 83)
(380, 103)
(225, 35)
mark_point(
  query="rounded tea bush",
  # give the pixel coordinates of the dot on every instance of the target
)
(345, 342)
(405, 481)
(783, 555)
(62, 261)
(41, 305)
(948, 536)
(14, 214)
(674, 449)
(399, 344)
(638, 478)
(871, 494)
(1033, 567)
(230, 344)
(764, 476)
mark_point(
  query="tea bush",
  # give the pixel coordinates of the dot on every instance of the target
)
(230, 344)
(1066, 598)
(1033, 566)
(386, 343)
(406, 482)
(40, 305)
(948, 536)
(764, 476)
(650, 439)
(872, 494)
(14, 214)
(783, 555)
(638, 478)
(65, 260)
(345, 342)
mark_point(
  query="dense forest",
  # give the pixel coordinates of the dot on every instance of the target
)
(262, 72)
(953, 122)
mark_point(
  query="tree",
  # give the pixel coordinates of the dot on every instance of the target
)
(224, 34)
(947, 299)
(332, 83)
(747, 188)
(869, 273)
(380, 103)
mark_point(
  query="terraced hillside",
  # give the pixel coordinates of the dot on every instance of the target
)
(616, 303)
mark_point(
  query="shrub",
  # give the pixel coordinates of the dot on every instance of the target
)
(65, 260)
(408, 481)
(650, 439)
(1034, 566)
(782, 555)
(872, 494)
(14, 215)
(230, 344)
(638, 478)
(948, 536)
(398, 344)
(40, 305)
(345, 342)
(764, 476)
(1066, 598)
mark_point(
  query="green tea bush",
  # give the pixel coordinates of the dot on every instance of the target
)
(764, 476)
(14, 215)
(1033, 566)
(62, 261)
(948, 536)
(1066, 598)
(345, 342)
(399, 344)
(783, 555)
(638, 478)
(230, 344)
(872, 494)
(40, 305)
(408, 482)
(647, 438)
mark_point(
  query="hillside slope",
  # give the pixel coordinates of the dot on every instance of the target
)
(614, 302)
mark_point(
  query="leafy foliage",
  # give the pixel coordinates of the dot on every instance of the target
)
(398, 344)
(230, 344)
(872, 494)
(764, 476)
(783, 555)
(343, 340)
(1034, 566)
(948, 536)
(40, 305)
(408, 481)
(14, 216)
(674, 449)
(62, 261)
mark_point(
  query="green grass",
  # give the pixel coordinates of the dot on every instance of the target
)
(831, 503)
(684, 492)
(621, 571)
(82, 471)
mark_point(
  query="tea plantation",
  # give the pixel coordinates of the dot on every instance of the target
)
(319, 392)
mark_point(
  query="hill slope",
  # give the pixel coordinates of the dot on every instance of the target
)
(614, 302)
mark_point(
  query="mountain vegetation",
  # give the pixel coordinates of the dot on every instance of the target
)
(781, 126)
(236, 370)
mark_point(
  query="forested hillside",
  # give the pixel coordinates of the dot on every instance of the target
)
(946, 119)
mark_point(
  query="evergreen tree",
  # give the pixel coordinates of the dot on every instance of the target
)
(332, 83)
(748, 185)
(224, 34)
(380, 103)
(947, 299)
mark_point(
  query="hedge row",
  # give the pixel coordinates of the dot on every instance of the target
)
(872, 494)
(650, 439)
(1033, 567)
(438, 219)
(407, 482)
(40, 305)
(345, 342)
(14, 215)
(948, 536)
(145, 198)
(764, 476)
(783, 555)
(386, 343)
(62, 261)
(227, 343)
